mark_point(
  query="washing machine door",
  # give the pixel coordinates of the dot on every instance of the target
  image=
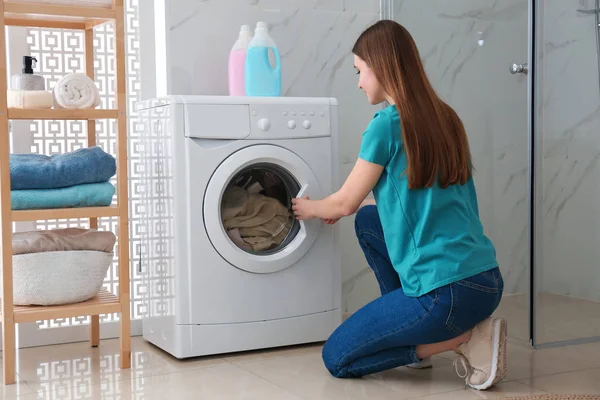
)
(248, 212)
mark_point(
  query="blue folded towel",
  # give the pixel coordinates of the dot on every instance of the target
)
(37, 171)
(88, 195)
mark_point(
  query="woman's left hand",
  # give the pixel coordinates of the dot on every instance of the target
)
(303, 208)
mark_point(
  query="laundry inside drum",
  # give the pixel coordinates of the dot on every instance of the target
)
(256, 209)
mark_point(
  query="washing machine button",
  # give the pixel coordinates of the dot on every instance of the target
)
(264, 124)
(292, 124)
(306, 124)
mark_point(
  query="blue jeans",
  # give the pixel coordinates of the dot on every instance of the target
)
(385, 333)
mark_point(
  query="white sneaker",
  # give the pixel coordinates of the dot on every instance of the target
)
(424, 364)
(484, 355)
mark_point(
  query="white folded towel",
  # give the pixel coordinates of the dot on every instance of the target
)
(29, 99)
(76, 91)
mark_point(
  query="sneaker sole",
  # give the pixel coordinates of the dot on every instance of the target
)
(499, 365)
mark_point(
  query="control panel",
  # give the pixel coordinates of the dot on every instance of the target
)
(286, 121)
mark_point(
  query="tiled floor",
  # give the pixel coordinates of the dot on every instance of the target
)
(75, 371)
(558, 317)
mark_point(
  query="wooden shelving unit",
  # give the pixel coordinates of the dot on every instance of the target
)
(84, 17)
(64, 213)
(103, 303)
(55, 114)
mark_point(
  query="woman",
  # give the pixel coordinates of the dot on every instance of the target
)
(437, 271)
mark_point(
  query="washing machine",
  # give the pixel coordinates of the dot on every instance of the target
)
(216, 279)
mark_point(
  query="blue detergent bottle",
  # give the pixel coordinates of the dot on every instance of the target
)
(261, 79)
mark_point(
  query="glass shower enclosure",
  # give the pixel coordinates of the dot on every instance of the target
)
(524, 77)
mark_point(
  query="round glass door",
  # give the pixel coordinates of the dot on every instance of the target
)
(248, 209)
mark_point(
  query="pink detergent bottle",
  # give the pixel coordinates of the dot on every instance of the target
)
(237, 61)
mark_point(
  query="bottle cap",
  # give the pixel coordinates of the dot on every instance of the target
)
(262, 26)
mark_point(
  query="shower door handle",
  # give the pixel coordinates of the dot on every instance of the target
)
(519, 69)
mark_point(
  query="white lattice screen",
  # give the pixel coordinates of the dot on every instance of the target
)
(60, 52)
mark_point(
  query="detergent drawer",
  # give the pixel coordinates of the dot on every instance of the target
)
(216, 121)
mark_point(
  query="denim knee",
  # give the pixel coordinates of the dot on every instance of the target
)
(332, 360)
(364, 218)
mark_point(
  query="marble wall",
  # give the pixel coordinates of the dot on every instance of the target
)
(570, 144)
(467, 47)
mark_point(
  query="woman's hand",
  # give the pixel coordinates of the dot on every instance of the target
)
(303, 208)
(344, 202)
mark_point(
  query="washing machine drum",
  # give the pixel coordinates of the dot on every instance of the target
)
(248, 209)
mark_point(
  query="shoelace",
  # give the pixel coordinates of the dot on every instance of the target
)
(466, 366)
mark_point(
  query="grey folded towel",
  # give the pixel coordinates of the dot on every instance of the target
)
(69, 239)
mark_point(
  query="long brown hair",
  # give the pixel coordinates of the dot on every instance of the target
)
(434, 137)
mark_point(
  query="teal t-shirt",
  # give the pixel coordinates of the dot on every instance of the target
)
(434, 236)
